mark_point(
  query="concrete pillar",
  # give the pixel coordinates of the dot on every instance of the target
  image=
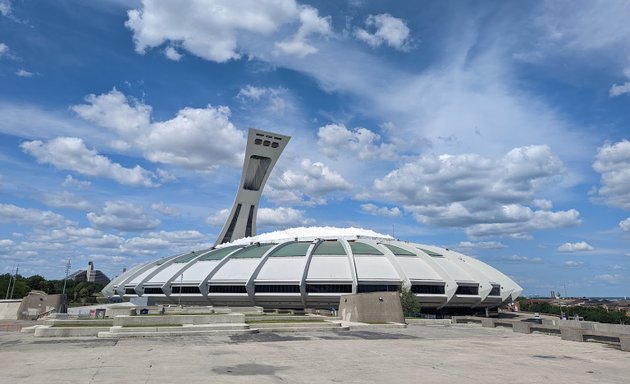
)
(520, 327)
(625, 343)
(488, 323)
(572, 334)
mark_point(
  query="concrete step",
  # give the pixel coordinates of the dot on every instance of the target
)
(47, 331)
(314, 324)
(170, 320)
(179, 332)
(299, 328)
(183, 328)
(286, 318)
(32, 328)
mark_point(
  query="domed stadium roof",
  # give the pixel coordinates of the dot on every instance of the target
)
(308, 267)
(312, 268)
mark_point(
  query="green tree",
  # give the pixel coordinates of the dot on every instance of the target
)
(38, 282)
(409, 302)
(20, 290)
(84, 292)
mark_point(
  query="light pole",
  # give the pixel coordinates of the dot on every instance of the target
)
(63, 292)
(6, 297)
(181, 281)
(14, 281)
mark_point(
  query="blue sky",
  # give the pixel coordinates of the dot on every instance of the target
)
(499, 129)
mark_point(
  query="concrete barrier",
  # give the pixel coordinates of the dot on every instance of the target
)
(80, 323)
(572, 334)
(443, 322)
(9, 309)
(521, 327)
(182, 328)
(295, 325)
(373, 307)
(124, 332)
(488, 323)
(624, 343)
(166, 320)
(287, 318)
(466, 320)
(594, 326)
(48, 331)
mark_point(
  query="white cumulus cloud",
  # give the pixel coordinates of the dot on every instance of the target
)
(487, 197)
(70, 153)
(66, 200)
(375, 210)
(70, 181)
(312, 24)
(518, 259)
(613, 163)
(281, 217)
(24, 73)
(573, 264)
(122, 216)
(334, 139)
(165, 209)
(10, 213)
(619, 89)
(384, 29)
(126, 116)
(625, 225)
(267, 217)
(275, 98)
(172, 53)
(609, 278)
(216, 30)
(575, 247)
(196, 138)
(480, 245)
(5, 7)
(308, 183)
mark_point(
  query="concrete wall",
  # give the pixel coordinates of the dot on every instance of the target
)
(166, 320)
(9, 309)
(594, 326)
(374, 307)
(37, 303)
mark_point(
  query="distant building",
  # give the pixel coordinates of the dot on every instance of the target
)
(90, 275)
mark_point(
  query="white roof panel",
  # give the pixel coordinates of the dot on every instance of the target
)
(198, 271)
(417, 269)
(282, 269)
(236, 270)
(329, 268)
(453, 270)
(136, 280)
(166, 273)
(375, 268)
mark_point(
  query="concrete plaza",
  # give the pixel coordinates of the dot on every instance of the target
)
(429, 354)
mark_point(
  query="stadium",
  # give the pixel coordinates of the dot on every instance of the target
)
(309, 267)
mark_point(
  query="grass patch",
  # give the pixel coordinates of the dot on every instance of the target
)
(152, 326)
(79, 325)
(283, 321)
(179, 314)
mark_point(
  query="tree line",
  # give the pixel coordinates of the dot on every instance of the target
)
(81, 292)
(599, 314)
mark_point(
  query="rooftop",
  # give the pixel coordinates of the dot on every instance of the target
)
(445, 354)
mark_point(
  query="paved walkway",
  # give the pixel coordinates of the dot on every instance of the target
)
(428, 354)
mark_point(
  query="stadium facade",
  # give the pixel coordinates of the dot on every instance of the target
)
(309, 267)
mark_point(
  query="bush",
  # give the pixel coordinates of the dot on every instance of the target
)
(409, 302)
